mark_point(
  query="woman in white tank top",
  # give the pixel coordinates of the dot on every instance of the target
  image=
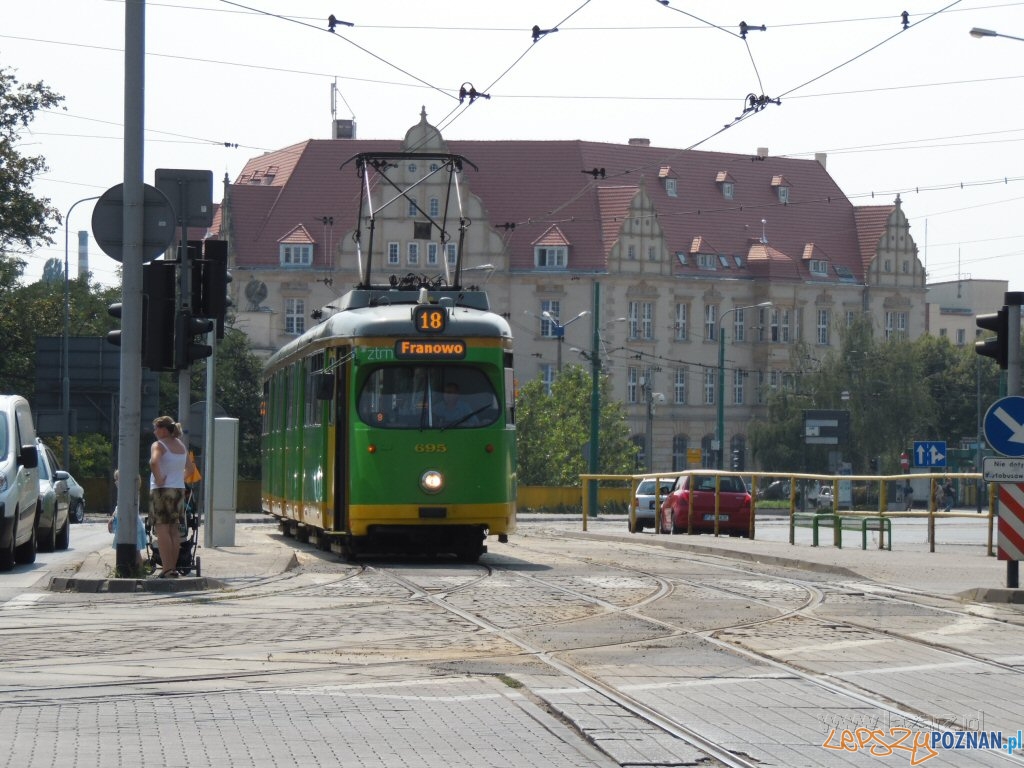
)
(167, 463)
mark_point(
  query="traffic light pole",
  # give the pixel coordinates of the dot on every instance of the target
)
(130, 400)
(1013, 301)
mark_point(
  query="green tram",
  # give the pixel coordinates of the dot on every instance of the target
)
(389, 427)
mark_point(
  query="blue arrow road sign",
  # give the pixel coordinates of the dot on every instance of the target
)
(929, 453)
(1004, 426)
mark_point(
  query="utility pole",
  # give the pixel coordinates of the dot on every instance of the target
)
(595, 398)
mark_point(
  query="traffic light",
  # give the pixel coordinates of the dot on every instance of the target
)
(995, 348)
(737, 460)
(159, 287)
(114, 337)
(186, 349)
(210, 278)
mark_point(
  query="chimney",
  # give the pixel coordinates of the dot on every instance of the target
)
(83, 253)
(762, 151)
(821, 157)
(639, 142)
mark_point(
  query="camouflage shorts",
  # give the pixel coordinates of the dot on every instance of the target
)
(166, 506)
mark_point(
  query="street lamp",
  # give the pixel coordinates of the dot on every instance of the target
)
(721, 376)
(560, 330)
(979, 32)
(64, 356)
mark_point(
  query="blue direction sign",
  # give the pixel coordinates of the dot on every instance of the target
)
(1004, 426)
(929, 453)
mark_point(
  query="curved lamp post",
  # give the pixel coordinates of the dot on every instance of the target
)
(979, 32)
(560, 330)
(64, 356)
(721, 376)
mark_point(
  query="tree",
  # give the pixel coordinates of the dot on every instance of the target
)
(25, 220)
(238, 391)
(552, 430)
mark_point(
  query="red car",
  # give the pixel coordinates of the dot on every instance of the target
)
(734, 506)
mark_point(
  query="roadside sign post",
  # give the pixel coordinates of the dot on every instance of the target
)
(1004, 430)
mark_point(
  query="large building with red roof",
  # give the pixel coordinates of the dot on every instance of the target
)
(675, 240)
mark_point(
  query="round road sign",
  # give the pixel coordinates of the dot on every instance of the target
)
(157, 222)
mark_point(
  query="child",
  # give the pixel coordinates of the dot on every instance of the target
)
(140, 530)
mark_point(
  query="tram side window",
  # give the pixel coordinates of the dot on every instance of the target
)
(428, 397)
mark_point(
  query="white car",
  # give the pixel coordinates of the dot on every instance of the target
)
(647, 503)
(825, 498)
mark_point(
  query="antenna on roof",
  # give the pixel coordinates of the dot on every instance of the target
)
(764, 234)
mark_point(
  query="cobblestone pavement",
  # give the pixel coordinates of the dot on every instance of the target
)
(549, 656)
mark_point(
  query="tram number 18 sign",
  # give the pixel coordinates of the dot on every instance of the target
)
(428, 318)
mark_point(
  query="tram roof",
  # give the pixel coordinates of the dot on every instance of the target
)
(387, 313)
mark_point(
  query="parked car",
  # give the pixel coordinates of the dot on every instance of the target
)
(777, 490)
(53, 526)
(19, 482)
(734, 505)
(77, 510)
(825, 498)
(647, 502)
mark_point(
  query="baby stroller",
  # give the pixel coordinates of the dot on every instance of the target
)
(187, 559)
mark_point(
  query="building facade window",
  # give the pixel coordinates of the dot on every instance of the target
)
(895, 325)
(738, 379)
(641, 320)
(819, 267)
(547, 375)
(709, 386)
(631, 253)
(413, 253)
(679, 387)
(652, 253)
(412, 208)
(728, 190)
(710, 321)
(680, 326)
(434, 207)
(824, 322)
(671, 188)
(632, 383)
(738, 325)
(961, 337)
(783, 194)
(706, 260)
(680, 458)
(550, 258)
(296, 255)
(432, 254)
(394, 254)
(452, 250)
(294, 316)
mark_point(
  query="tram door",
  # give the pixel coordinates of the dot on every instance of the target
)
(339, 431)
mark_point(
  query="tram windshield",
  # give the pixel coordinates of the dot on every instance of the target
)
(428, 397)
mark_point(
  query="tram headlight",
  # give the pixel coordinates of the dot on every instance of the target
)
(432, 481)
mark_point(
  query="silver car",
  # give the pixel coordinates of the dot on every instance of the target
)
(53, 527)
(647, 503)
(77, 509)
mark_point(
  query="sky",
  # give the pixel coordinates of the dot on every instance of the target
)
(923, 109)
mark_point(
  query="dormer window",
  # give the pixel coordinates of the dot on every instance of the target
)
(546, 257)
(706, 260)
(781, 188)
(818, 267)
(726, 183)
(296, 255)
(670, 181)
